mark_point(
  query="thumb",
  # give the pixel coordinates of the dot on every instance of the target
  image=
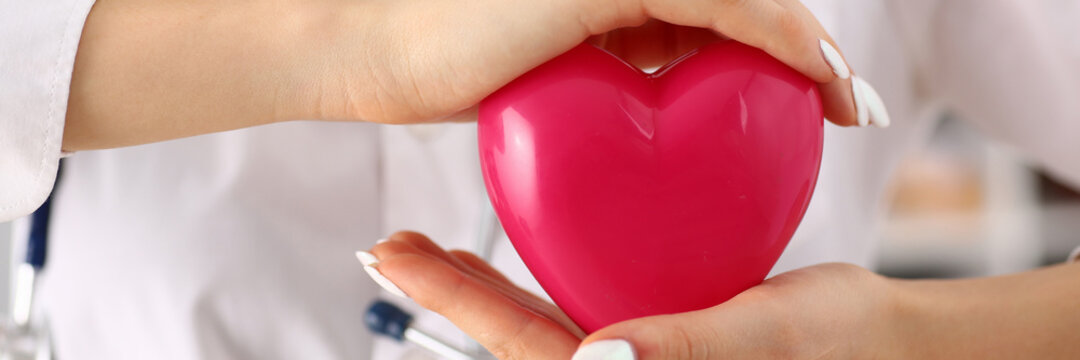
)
(689, 335)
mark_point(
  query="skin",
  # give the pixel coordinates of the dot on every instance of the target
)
(831, 311)
(154, 70)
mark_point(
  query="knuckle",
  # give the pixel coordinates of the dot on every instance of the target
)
(672, 340)
(790, 25)
(684, 345)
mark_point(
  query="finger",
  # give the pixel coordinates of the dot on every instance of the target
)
(476, 266)
(682, 336)
(714, 333)
(853, 102)
(853, 98)
(751, 325)
(783, 28)
(786, 35)
(764, 24)
(555, 313)
(424, 244)
(394, 246)
(842, 100)
(479, 265)
(407, 242)
(499, 324)
(839, 103)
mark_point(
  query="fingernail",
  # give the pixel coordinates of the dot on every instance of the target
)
(606, 350)
(370, 267)
(366, 258)
(879, 115)
(835, 60)
(380, 241)
(861, 114)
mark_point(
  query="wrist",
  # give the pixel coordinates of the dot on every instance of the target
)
(930, 319)
(891, 323)
(904, 310)
(1025, 315)
(327, 61)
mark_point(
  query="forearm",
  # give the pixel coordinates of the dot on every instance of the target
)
(156, 70)
(1034, 315)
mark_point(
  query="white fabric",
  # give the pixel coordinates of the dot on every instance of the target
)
(239, 245)
(38, 41)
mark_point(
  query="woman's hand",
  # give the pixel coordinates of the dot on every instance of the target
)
(156, 70)
(436, 58)
(831, 311)
(827, 311)
(510, 322)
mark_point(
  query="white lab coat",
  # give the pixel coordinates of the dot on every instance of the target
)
(239, 245)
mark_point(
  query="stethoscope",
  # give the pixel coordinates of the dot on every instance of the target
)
(23, 336)
(388, 320)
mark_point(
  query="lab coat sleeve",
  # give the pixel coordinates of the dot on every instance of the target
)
(1012, 67)
(38, 41)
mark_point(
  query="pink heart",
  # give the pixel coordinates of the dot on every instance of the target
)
(630, 195)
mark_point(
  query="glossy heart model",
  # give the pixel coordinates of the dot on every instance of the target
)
(630, 195)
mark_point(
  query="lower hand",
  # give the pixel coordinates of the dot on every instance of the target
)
(824, 311)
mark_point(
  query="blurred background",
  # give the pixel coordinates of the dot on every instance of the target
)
(5, 266)
(962, 206)
(966, 206)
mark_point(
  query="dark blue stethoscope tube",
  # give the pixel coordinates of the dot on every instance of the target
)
(37, 245)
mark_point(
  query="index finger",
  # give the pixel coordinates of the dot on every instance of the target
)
(501, 325)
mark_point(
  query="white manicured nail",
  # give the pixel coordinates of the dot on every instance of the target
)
(606, 350)
(380, 241)
(879, 116)
(370, 264)
(366, 258)
(861, 114)
(835, 60)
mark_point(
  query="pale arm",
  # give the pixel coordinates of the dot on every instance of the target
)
(830, 311)
(155, 70)
(1033, 315)
(152, 70)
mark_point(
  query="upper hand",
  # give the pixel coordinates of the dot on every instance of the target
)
(432, 59)
(825, 311)
(155, 70)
